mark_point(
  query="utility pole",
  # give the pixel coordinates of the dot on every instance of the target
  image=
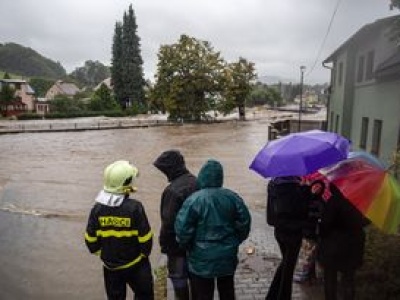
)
(302, 69)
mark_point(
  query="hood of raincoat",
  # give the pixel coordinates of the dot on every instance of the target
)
(211, 175)
(171, 163)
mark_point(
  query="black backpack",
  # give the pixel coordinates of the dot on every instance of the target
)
(285, 200)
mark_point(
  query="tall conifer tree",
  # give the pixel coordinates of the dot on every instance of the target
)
(117, 64)
(127, 63)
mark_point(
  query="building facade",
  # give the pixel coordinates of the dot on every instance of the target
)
(24, 97)
(364, 102)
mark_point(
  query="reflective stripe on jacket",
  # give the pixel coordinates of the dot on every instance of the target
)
(120, 235)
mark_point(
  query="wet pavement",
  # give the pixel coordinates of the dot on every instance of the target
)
(255, 271)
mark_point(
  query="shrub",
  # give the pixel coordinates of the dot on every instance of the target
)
(379, 277)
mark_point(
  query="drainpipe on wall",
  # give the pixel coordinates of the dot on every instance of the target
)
(328, 102)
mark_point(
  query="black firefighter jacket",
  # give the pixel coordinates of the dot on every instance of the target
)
(121, 235)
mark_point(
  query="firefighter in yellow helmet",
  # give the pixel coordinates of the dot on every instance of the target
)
(119, 232)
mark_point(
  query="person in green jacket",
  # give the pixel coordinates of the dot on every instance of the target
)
(211, 225)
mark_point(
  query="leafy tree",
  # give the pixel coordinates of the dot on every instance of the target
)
(261, 94)
(91, 74)
(238, 77)
(395, 31)
(40, 85)
(102, 100)
(6, 95)
(117, 64)
(66, 105)
(189, 78)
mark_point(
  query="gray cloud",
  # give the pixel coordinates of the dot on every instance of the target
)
(278, 36)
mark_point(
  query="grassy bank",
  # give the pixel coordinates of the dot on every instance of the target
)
(379, 277)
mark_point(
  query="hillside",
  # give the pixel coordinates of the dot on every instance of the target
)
(25, 61)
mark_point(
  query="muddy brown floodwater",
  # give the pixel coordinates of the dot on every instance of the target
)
(48, 182)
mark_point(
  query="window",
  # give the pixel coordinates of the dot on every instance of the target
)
(364, 133)
(376, 137)
(337, 124)
(360, 71)
(340, 79)
(398, 140)
(370, 66)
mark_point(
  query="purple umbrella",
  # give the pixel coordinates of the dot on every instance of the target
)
(301, 153)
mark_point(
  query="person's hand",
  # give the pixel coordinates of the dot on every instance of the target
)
(317, 187)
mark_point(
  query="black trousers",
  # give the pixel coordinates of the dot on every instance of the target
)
(281, 286)
(179, 275)
(139, 278)
(203, 288)
(331, 284)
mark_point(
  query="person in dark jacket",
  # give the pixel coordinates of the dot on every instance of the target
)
(287, 210)
(119, 232)
(182, 184)
(341, 246)
(211, 225)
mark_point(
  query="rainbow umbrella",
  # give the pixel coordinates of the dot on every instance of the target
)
(368, 157)
(371, 189)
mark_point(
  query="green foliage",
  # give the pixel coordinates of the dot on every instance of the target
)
(117, 63)
(379, 277)
(395, 164)
(238, 78)
(65, 105)
(261, 94)
(6, 95)
(127, 63)
(395, 30)
(189, 78)
(102, 100)
(29, 116)
(25, 61)
(40, 85)
(91, 74)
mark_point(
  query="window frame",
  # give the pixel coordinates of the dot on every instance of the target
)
(376, 137)
(364, 133)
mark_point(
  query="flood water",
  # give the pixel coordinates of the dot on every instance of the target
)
(48, 182)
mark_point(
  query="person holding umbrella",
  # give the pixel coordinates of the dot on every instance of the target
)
(287, 211)
(341, 246)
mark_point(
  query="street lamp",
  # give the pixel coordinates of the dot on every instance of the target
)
(302, 69)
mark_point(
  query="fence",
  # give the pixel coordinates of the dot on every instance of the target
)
(40, 126)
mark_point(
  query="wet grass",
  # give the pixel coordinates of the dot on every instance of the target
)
(379, 277)
(160, 283)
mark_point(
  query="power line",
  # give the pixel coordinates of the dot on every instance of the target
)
(326, 36)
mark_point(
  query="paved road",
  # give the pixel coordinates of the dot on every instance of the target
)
(255, 271)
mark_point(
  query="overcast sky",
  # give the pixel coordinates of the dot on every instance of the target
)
(277, 35)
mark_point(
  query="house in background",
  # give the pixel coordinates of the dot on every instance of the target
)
(61, 88)
(364, 103)
(42, 106)
(107, 83)
(24, 97)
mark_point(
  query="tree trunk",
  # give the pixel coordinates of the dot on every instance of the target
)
(242, 113)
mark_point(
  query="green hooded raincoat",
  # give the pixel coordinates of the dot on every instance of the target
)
(211, 225)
